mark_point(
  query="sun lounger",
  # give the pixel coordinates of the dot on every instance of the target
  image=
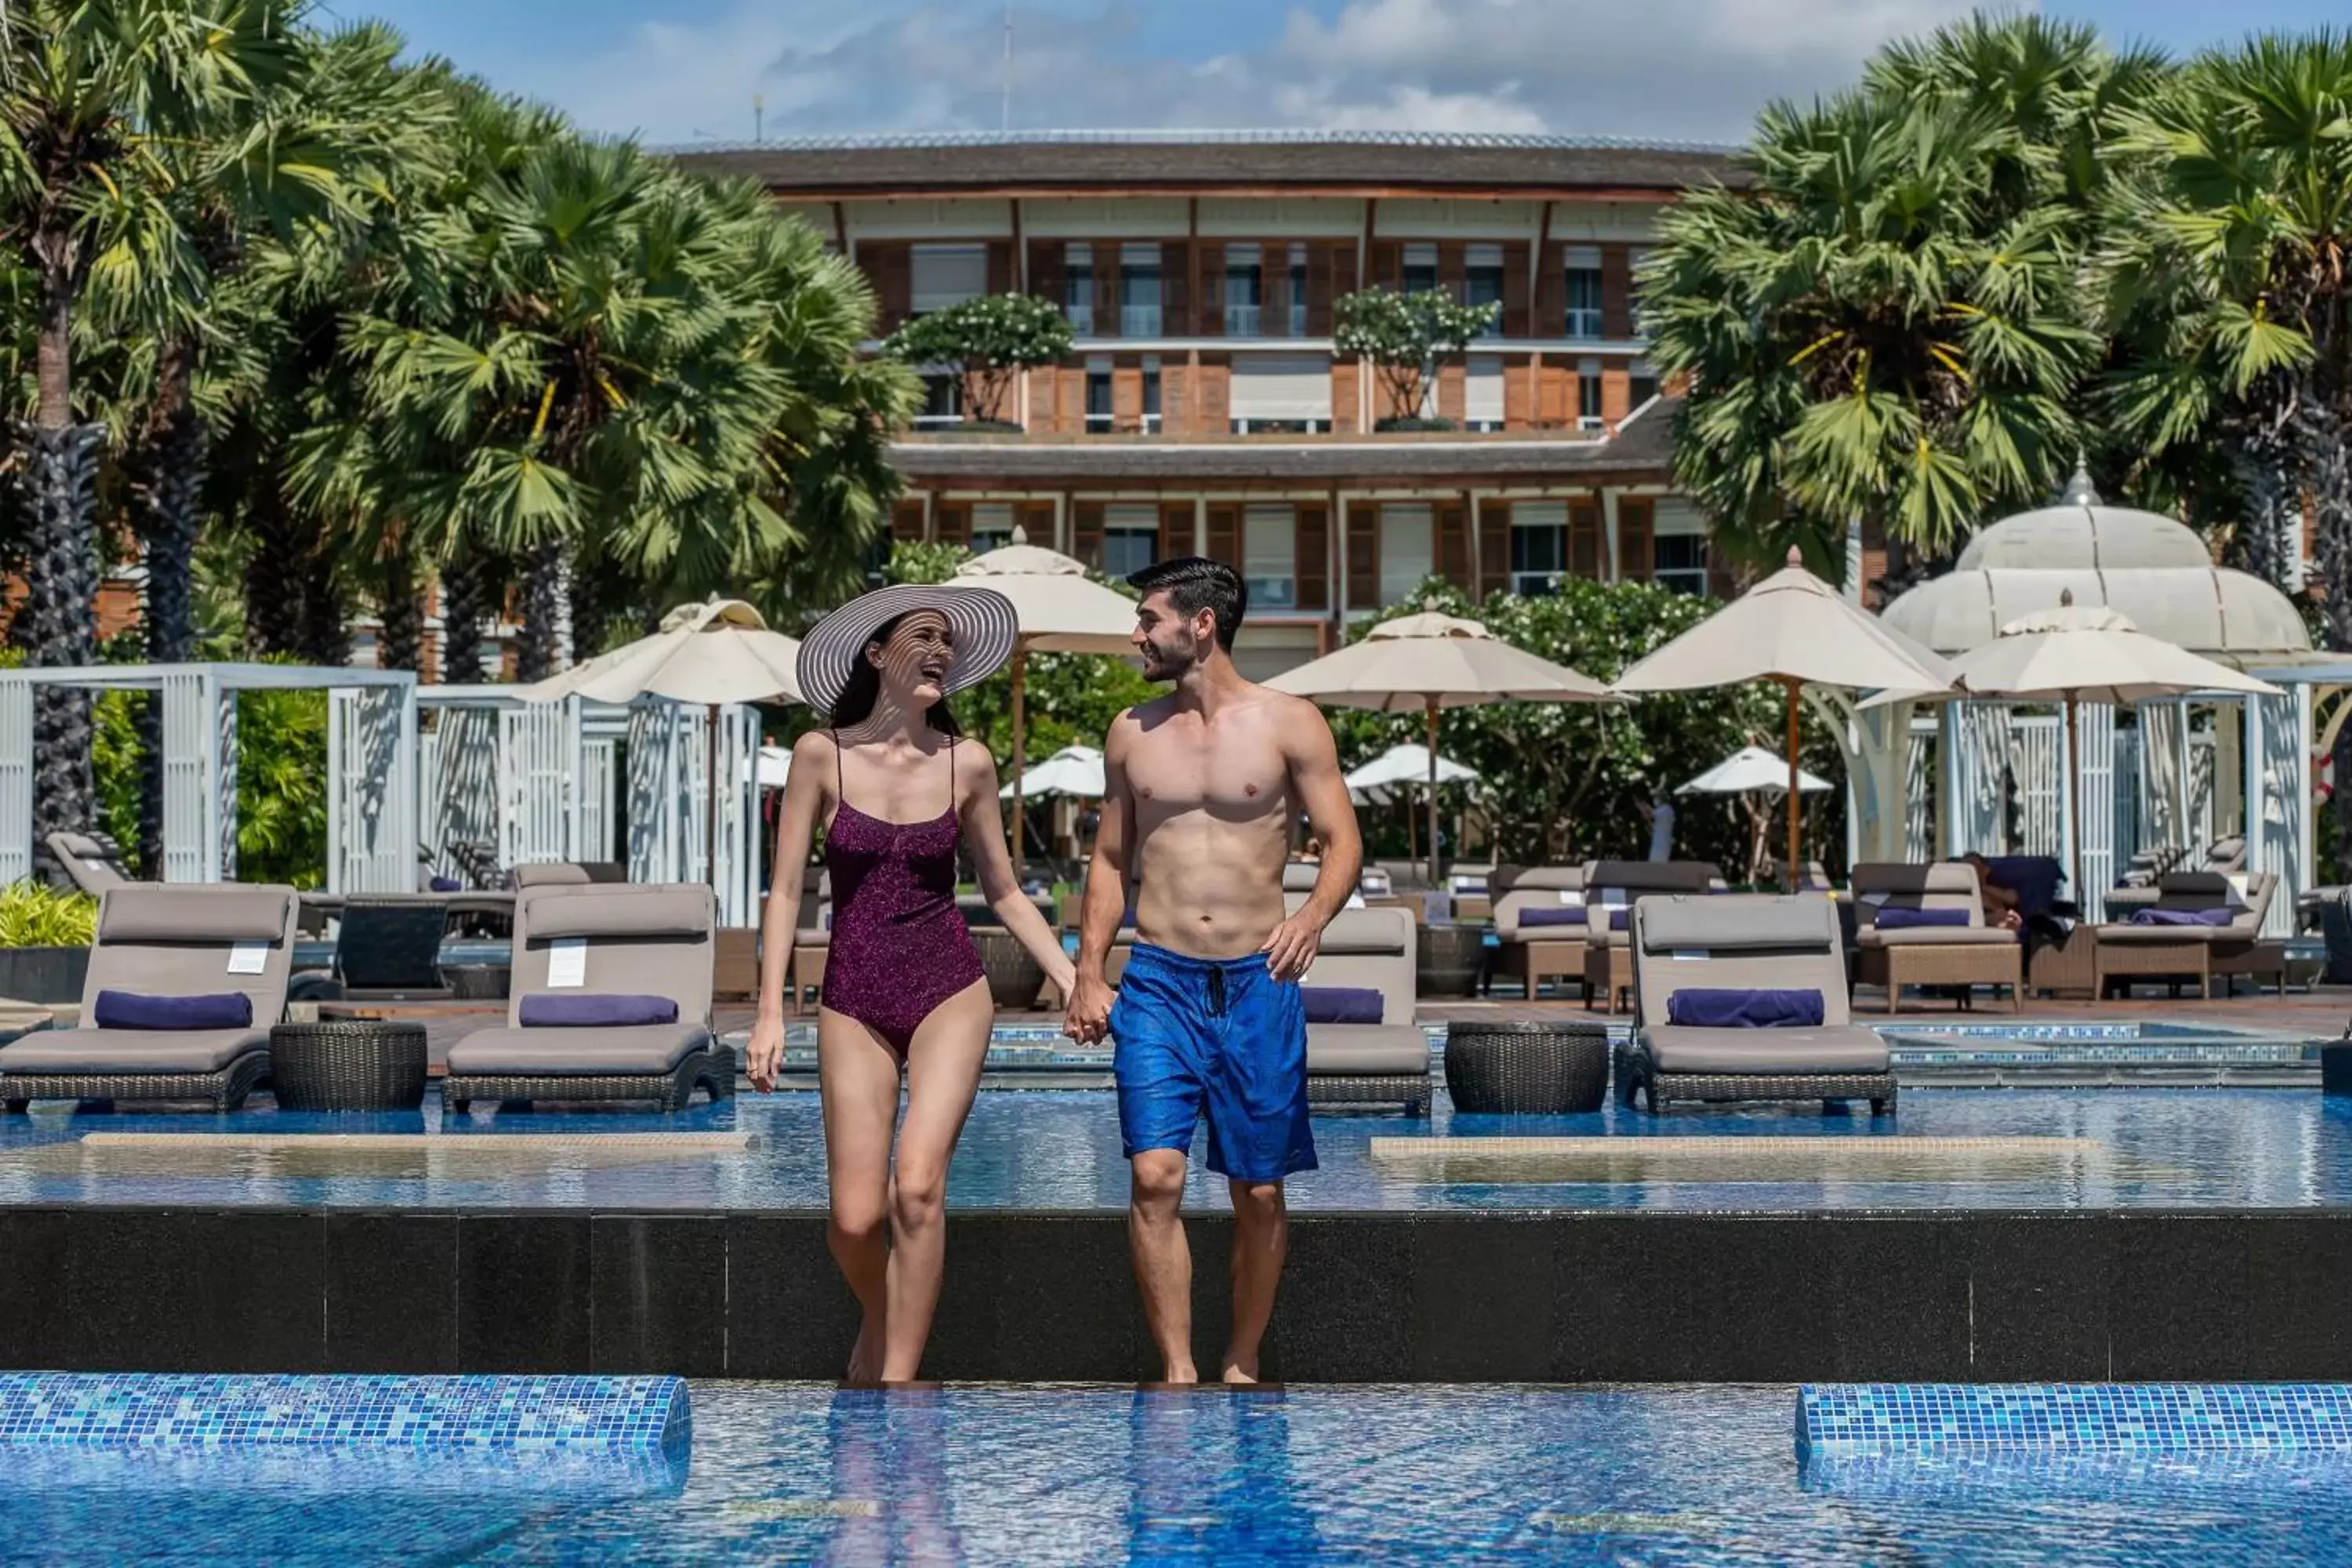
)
(1539, 926)
(2223, 856)
(1614, 885)
(90, 864)
(1367, 1063)
(1737, 943)
(184, 940)
(2223, 940)
(568, 873)
(623, 942)
(1902, 953)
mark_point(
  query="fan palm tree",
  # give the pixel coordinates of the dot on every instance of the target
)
(94, 91)
(1888, 325)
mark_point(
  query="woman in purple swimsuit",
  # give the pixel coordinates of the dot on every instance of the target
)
(903, 988)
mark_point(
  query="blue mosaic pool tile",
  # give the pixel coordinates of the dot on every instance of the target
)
(423, 1415)
(1839, 1420)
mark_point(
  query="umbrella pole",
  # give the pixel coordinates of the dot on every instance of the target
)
(1020, 762)
(1433, 793)
(711, 805)
(1789, 867)
(2074, 805)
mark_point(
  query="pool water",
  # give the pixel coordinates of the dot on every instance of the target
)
(1391, 1475)
(1060, 1150)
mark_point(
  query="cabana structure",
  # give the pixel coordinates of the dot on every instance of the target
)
(1987, 776)
(371, 764)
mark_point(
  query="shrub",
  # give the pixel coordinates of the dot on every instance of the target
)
(35, 915)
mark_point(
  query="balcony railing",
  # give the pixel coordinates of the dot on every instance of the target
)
(1242, 321)
(1138, 321)
(1082, 320)
(1583, 323)
(1273, 593)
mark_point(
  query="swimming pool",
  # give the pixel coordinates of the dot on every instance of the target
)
(1046, 1475)
(1059, 1150)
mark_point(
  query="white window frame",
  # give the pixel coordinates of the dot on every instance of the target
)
(1547, 517)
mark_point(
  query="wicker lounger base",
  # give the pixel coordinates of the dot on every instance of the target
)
(714, 1069)
(1608, 975)
(1956, 966)
(1662, 1089)
(225, 1089)
(1411, 1090)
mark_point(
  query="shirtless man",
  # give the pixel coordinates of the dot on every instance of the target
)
(1200, 788)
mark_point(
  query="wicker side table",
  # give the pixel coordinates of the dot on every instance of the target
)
(1014, 979)
(352, 1066)
(1451, 959)
(1542, 1069)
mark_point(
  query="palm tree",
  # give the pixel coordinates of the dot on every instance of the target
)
(94, 89)
(1888, 324)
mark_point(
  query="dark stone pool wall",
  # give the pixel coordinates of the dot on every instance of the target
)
(1551, 1297)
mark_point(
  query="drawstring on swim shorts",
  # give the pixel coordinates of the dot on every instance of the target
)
(1217, 993)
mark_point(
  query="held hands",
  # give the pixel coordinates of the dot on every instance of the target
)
(765, 1054)
(1087, 1019)
(1293, 946)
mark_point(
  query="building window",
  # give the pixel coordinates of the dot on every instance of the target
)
(1245, 292)
(947, 275)
(1482, 282)
(1679, 561)
(1407, 551)
(1538, 546)
(1138, 290)
(991, 526)
(1482, 392)
(1152, 393)
(1270, 556)
(1078, 289)
(1297, 291)
(1588, 394)
(1420, 268)
(1099, 395)
(1633, 259)
(1130, 539)
(1643, 383)
(1583, 291)
(942, 401)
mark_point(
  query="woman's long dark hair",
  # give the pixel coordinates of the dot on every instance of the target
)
(858, 695)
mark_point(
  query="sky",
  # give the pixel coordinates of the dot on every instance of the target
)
(686, 71)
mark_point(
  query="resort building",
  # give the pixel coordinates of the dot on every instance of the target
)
(1205, 410)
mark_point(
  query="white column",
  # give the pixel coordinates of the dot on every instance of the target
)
(15, 778)
(1609, 542)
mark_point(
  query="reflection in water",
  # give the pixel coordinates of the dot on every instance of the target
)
(890, 1450)
(1210, 1477)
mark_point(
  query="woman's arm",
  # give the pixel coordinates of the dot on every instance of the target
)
(983, 829)
(805, 796)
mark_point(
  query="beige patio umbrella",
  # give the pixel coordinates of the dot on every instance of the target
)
(1797, 630)
(2084, 653)
(1061, 610)
(1430, 661)
(709, 655)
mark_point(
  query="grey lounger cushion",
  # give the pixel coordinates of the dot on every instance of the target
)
(193, 912)
(632, 1051)
(66, 1051)
(1366, 1049)
(1848, 1049)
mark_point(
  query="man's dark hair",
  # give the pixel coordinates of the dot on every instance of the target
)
(1195, 583)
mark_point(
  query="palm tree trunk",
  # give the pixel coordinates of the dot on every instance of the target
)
(60, 485)
(326, 631)
(544, 645)
(2262, 458)
(2328, 468)
(463, 591)
(169, 499)
(400, 612)
(273, 576)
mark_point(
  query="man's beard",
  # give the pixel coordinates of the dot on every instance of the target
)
(1170, 664)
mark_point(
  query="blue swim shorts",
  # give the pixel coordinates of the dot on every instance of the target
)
(1218, 1037)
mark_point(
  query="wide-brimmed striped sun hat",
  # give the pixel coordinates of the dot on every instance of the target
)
(981, 629)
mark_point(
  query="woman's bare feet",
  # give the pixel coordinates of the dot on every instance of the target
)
(866, 1355)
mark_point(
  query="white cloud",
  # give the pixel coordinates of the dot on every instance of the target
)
(1696, 68)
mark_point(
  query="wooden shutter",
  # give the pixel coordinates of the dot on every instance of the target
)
(1313, 569)
(1551, 293)
(1520, 394)
(1452, 391)
(1322, 266)
(1071, 401)
(1453, 521)
(1516, 312)
(1126, 397)
(1363, 555)
(1175, 289)
(1584, 547)
(1494, 548)
(1555, 397)
(1175, 397)
(1346, 379)
(1224, 545)
(1000, 267)
(1212, 315)
(1274, 287)
(1616, 396)
(1636, 558)
(951, 523)
(891, 265)
(907, 520)
(1216, 399)
(1087, 533)
(1616, 291)
(1176, 531)
(1453, 269)
(1035, 520)
(1045, 401)
(1048, 275)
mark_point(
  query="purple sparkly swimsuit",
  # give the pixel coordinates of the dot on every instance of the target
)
(900, 946)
